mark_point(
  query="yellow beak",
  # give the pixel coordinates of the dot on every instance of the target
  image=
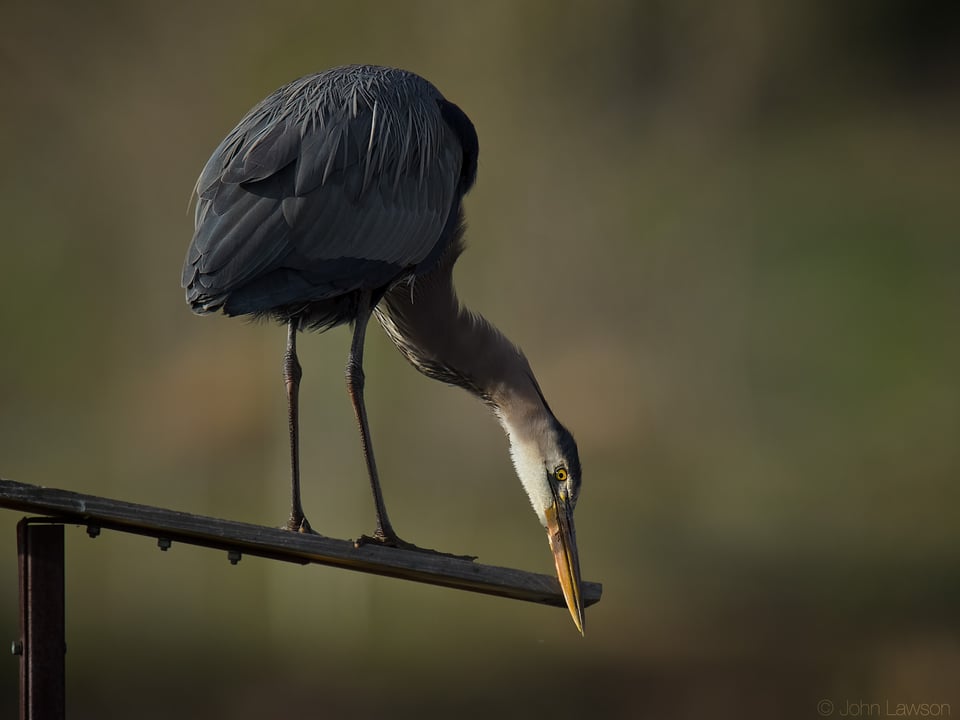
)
(563, 543)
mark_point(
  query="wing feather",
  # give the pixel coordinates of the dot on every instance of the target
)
(339, 182)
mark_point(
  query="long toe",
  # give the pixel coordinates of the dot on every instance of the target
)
(392, 540)
(385, 540)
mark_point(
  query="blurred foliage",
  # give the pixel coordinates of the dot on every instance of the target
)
(727, 237)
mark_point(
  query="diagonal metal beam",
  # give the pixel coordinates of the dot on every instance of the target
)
(235, 537)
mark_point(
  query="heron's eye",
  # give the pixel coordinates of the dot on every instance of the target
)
(560, 474)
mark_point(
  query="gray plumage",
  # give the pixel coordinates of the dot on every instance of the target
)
(346, 180)
(337, 197)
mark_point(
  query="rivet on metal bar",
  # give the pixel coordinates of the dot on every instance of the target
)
(234, 556)
(164, 543)
(16, 647)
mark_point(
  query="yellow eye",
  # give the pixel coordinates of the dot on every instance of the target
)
(560, 474)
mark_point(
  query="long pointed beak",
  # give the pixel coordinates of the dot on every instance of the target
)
(563, 543)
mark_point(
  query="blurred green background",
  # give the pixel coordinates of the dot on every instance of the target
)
(726, 236)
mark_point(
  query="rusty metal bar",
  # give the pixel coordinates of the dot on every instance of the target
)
(238, 539)
(42, 644)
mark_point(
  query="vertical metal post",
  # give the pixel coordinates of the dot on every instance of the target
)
(42, 625)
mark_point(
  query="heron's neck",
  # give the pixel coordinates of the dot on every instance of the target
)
(446, 341)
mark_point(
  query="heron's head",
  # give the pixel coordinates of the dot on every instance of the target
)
(546, 459)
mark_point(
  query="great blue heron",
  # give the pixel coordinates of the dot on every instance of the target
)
(340, 196)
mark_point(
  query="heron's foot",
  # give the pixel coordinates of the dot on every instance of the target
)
(384, 540)
(300, 525)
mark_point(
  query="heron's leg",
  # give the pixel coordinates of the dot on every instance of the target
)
(384, 534)
(355, 381)
(291, 379)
